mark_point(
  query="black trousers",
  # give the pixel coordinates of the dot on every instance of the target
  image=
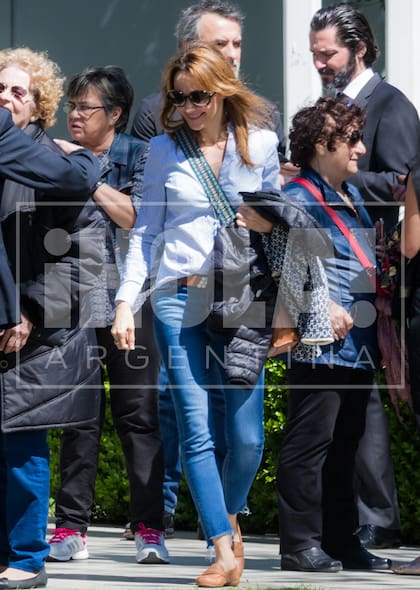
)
(134, 405)
(326, 419)
(376, 490)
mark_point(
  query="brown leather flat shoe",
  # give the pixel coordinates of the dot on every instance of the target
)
(238, 551)
(216, 577)
(412, 568)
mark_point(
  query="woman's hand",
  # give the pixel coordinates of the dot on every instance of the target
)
(14, 339)
(287, 172)
(123, 327)
(341, 320)
(249, 218)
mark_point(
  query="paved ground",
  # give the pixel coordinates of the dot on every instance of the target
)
(112, 565)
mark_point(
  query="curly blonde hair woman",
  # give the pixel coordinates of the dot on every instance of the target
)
(45, 81)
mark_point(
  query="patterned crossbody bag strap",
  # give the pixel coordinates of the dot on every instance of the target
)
(205, 175)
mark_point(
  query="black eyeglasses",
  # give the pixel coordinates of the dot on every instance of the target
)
(16, 91)
(353, 138)
(199, 98)
(82, 109)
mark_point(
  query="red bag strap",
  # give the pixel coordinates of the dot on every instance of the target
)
(356, 247)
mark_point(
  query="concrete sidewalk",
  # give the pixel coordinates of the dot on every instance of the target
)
(112, 565)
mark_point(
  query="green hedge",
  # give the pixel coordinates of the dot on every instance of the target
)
(111, 496)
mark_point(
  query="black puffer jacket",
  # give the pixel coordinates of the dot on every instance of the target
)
(55, 252)
(250, 337)
(243, 303)
(278, 208)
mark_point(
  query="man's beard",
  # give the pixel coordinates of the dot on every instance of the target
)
(333, 82)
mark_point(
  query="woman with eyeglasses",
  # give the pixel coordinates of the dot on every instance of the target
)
(329, 394)
(98, 108)
(55, 260)
(173, 244)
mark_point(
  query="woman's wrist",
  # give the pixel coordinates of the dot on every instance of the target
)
(120, 303)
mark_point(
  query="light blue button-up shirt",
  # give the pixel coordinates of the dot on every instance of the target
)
(176, 224)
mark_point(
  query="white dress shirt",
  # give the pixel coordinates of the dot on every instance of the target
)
(355, 86)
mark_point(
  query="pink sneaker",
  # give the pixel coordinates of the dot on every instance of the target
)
(150, 545)
(66, 544)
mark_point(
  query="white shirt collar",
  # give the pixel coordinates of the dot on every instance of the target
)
(355, 86)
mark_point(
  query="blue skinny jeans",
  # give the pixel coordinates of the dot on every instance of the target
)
(193, 358)
(170, 438)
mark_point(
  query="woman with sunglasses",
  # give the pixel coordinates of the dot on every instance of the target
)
(47, 244)
(98, 108)
(329, 394)
(173, 243)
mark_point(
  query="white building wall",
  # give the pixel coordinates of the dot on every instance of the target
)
(402, 34)
(301, 81)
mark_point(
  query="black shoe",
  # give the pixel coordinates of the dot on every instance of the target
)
(168, 525)
(38, 581)
(310, 560)
(359, 558)
(376, 537)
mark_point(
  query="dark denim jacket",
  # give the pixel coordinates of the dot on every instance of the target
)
(349, 284)
(124, 172)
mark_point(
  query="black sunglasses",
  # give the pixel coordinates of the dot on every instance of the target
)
(199, 98)
(353, 138)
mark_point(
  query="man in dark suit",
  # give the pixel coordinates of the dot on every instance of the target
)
(29, 163)
(344, 49)
(218, 23)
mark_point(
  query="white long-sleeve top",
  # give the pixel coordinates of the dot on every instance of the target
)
(176, 224)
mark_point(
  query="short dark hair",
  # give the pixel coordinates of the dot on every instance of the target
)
(324, 122)
(352, 28)
(112, 85)
(188, 23)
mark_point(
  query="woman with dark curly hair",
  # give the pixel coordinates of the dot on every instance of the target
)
(328, 394)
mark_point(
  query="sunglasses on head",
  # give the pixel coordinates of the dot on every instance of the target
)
(16, 91)
(199, 98)
(353, 138)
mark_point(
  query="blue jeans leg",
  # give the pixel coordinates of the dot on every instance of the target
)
(244, 433)
(25, 482)
(170, 438)
(193, 373)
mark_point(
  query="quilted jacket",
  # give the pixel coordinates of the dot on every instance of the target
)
(54, 250)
